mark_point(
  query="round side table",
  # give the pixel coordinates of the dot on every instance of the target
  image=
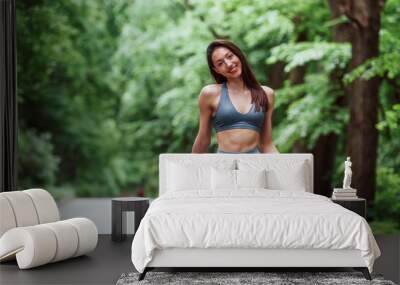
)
(138, 205)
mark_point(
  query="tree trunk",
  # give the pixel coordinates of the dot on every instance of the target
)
(324, 157)
(276, 76)
(325, 149)
(362, 136)
(296, 77)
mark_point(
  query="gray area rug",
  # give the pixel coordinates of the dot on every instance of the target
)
(230, 278)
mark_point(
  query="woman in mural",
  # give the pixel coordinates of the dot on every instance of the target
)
(238, 107)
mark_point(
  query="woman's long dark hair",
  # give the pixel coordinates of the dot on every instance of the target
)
(258, 95)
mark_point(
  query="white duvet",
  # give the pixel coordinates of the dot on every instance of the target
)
(253, 218)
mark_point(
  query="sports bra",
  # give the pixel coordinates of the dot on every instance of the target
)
(227, 117)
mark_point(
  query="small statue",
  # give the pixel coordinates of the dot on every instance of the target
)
(347, 174)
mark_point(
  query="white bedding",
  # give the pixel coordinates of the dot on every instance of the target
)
(251, 218)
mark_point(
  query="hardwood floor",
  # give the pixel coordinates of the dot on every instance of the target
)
(389, 262)
(102, 266)
(111, 259)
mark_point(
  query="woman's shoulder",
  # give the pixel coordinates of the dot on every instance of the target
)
(209, 95)
(210, 91)
(269, 91)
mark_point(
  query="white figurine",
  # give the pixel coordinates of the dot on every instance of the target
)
(347, 174)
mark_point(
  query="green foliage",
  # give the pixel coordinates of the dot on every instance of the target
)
(36, 154)
(329, 56)
(64, 89)
(384, 227)
(162, 69)
(105, 86)
(389, 133)
(386, 208)
(387, 63)
(384, 65)
(305, 106)
(392, 121)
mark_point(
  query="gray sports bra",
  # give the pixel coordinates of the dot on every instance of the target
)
(227, 117)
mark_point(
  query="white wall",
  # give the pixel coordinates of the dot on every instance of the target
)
(96, 209)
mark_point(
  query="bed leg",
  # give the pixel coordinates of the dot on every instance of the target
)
(143, 274)
(364, 271)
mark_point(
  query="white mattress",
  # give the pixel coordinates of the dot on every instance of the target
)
(252, 218)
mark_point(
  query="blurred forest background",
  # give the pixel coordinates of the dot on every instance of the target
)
(105, 86)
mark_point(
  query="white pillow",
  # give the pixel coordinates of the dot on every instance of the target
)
(182, 177)
(191, 174)
(293, 180)
(223, 179)
(251, 178)
(281, 174)
(227, 179)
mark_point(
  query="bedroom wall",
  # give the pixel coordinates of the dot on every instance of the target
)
(96, 209)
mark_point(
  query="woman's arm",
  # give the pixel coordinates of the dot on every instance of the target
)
(203, 138)
(266, 144)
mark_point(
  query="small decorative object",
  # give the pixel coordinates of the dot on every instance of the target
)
(346, 192)
(347, 174)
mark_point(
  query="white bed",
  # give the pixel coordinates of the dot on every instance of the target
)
(227, 217)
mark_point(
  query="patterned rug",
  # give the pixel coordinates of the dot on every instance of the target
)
(242, 278)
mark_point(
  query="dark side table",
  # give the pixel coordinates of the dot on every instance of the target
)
(138, 205)
(357, 205)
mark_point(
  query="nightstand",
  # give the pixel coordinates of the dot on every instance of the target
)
(138, 205)
(357, 205)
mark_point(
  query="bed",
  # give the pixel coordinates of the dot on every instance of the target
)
(247, 210)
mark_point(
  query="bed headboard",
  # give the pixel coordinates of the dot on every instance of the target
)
(210, 158)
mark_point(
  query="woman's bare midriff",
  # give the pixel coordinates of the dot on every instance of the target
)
(237, 140)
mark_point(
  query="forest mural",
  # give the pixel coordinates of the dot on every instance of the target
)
(105, 86)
